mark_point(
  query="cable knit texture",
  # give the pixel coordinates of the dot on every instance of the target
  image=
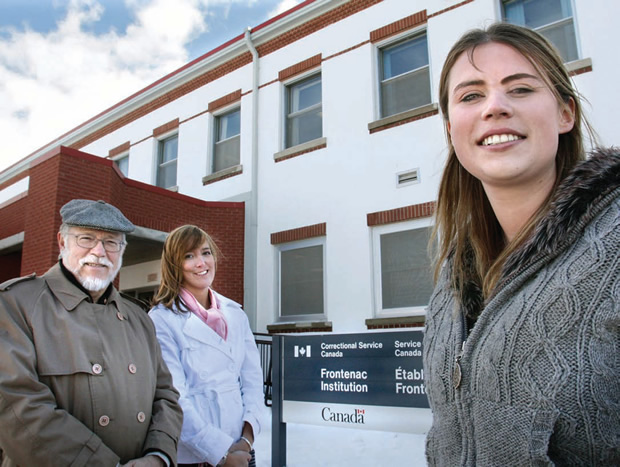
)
(541, 367)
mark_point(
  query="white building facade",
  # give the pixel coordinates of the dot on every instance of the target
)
(325, 123)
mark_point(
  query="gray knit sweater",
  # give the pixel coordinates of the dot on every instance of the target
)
(540, 369)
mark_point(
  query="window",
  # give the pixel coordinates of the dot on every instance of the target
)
(403, 277)
(123, 164)
(302, 279)
(551, 18)
(167, 162)
(404, 75)
(304, 114)
(227, 129)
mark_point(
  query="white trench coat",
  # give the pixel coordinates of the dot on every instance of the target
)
(220, 381)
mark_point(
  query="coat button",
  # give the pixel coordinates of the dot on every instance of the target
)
(104, 420)
(141, 417)
(120, 316)
(132, 369)
(97, 369)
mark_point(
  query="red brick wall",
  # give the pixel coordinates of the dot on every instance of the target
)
(41, 217)
(398, 26)
(224, 101)
(301, 233)
(12, 217)
(300, 67)
(68, 174)
(414, 211)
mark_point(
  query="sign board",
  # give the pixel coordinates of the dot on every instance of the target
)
(371, 380)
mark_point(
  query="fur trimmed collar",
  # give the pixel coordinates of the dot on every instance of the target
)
(584, 192)
(576, 202)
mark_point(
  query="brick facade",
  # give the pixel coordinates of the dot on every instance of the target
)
(66, 173)
(293, 235)
(415, 211)
(300, 67)
(224, 101)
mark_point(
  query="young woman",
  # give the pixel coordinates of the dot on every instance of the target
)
(522, 342)
(210, 350)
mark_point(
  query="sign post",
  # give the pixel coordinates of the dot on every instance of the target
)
(372, 380)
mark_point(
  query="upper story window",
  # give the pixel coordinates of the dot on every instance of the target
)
(123, 164)
(403, 277)
(302, 279)
(404, 75)
(227, 130)
(167, 153)
(304, 114)
(551, 18)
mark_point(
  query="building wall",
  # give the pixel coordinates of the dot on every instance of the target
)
(66, 174)
(354, 175)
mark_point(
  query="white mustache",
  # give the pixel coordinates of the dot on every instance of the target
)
(96, 260)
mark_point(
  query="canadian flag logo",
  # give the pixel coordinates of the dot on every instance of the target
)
(302, 351)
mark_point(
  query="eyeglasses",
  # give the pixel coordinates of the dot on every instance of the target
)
(89, 242)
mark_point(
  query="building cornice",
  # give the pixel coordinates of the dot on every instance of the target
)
(230, 50)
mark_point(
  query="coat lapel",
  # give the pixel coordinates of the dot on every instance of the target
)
(196, 329)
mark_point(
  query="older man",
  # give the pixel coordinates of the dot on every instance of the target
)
(82, 381)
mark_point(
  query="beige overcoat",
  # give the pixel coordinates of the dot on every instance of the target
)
(80, 383)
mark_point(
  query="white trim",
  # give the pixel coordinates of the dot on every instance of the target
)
(12, 241)
(376, 233)
(288, 246)
(379, 47)
(150, 234)
(308, 145)
(212, 140)
(158, 140)
(12, 191)
(286, 84)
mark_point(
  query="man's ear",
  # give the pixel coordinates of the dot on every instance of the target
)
(61, 241)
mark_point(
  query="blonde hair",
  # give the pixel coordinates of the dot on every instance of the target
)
(181, 240)
(466, 227)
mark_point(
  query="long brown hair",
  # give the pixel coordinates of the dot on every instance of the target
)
(180, 241)
(466, 226)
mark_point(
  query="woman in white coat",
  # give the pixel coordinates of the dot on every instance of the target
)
(210, 350)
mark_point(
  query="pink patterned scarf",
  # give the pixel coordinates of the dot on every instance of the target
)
(212, 317)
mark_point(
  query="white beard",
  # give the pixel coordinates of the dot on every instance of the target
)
(94, 284)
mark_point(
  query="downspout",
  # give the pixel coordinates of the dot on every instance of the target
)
(253, 223)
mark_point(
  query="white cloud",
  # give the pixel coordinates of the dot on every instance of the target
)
(283, 6)
(52, 82)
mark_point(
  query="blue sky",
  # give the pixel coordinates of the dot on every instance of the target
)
(64, 61)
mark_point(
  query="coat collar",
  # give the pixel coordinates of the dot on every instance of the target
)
(69, 294)
(581, 196)
(195, 328)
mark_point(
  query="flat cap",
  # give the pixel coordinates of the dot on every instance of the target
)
(97, 215)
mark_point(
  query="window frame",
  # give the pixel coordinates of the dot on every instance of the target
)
(390, 42)
(159, 151)
(121, 157)
(215, 122)
(540, 29)
(376, 233)
(294, 245)
(287, 86)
